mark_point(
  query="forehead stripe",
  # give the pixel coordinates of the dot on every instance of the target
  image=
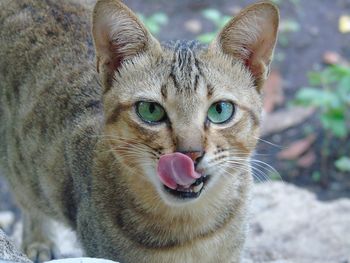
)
(184, 69)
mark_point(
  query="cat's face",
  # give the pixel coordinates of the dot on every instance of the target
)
(186, 97)
(182, 101)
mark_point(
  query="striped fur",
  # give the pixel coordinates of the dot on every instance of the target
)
(74, 149)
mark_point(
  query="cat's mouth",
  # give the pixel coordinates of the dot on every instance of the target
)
(179, 176)
(192, 191)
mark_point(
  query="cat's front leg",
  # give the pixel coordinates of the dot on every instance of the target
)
(36, 243)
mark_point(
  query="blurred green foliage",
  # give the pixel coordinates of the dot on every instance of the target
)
(219, 21)
(343, 164)
(287, 26)
(154, 22)
(279, 2)
(316, 176)
(331, 97)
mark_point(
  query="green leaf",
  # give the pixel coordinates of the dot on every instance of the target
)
(223, 21)
(324, 99)
(340, 70)
(206, 38)
(142, 17)
(335, 123)
(316, 176)
(159, 18)
(308, 93)
(153, 27)
(343, 164)
(309, 96)
(154, 22)
(289, 25)
(274, 176)
(315, 78)
(333, 74)
(280, 56)
(344, 85)
(277, 2)
(283, 40)
(333, 99)
(295, 2)
(213, 15)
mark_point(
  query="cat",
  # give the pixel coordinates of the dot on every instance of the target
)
(142, 148)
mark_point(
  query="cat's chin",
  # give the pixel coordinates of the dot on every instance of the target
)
(182, 195)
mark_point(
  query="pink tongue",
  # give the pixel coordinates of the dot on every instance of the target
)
(176, 169)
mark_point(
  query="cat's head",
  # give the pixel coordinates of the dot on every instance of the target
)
(182, 116)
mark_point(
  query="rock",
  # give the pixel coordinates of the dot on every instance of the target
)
(331, 58)
(334, 58)
(9, 252)
(283, 119)
(193, 25)
(82, 260)
(7, 218)
(289, 224)
(16, 235)
(297, 148)
(307, 160)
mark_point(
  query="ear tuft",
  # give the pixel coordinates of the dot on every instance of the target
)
(251, 37)
(118, 35)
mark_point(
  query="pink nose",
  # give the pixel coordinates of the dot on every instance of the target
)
(195, 156)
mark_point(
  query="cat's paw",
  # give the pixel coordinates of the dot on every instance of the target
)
(39, 252)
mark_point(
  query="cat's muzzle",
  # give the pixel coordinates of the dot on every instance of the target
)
(193, 191)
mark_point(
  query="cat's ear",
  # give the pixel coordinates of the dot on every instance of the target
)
(251, 37)
(118, 35)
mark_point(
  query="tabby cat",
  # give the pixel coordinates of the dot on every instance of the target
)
(142, 148)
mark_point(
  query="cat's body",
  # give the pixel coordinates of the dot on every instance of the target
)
(74, 149)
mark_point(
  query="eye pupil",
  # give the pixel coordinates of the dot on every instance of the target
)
(152, 108)
(218, 108)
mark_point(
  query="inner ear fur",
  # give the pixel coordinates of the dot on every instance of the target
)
(251, 37)
(118, 35)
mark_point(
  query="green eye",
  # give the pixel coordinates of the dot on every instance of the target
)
(150, 111)
(220, 112)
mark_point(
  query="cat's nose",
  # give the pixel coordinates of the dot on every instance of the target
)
(196, 156)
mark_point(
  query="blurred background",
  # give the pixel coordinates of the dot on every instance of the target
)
(305, 137)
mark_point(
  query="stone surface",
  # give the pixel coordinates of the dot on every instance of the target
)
(82, 260)
(290, 224)
(8, 251)
(287, 225)
(7, 218)
(283, 119)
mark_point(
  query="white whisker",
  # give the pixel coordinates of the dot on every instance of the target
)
(270, 143)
